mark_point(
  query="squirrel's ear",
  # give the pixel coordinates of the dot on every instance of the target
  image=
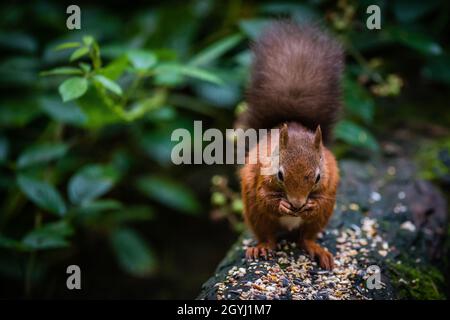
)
(318, 137)
(284, 135)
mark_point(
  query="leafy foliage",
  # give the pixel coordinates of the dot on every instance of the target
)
(132, 252)
(86, 116)
(42, 194)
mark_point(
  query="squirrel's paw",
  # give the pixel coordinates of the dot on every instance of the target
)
(310, 205)
(261, 249)
(315, 251)
(285, 208)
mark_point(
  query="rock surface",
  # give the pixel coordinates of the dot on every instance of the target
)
(387, 225)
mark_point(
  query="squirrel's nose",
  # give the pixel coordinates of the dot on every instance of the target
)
(297, 202)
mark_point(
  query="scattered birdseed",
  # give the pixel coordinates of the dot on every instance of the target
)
(382, 253)
(400, 208)
(391, 171)
(375, 197)
(291, 274)
(408, 225)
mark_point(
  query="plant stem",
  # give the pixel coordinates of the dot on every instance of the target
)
(362, 61)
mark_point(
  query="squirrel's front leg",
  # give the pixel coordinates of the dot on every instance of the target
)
(262, 222)
(318, 209)
(316, 251)
(264, 230)
(275, 205)
(316, 213)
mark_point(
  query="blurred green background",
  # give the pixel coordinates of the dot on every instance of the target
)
(86, 118)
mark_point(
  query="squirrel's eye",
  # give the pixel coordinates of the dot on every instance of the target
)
(280, 175)
(318, 178)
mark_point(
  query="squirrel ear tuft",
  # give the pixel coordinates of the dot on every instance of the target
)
(284, 135)
(318, 137)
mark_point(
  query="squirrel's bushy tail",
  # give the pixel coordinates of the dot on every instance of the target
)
(295, 76)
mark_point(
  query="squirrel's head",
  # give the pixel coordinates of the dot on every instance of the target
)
(301, 163)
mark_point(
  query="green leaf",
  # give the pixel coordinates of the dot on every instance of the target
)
(438, 69)
(158, 146)
(411, 10)
(358, 101)
(61, 228)
(97, 110)
(62, 71)
(132, 253)
(224, 96)
(62, 112)
(73, 88)
(169, 193)
(156, 143)
(17, 112)
(109, 84)
(101, 205)
(355, 135)
(40, 241)
(67, 45)
(142, 60)
(50, 236)
(141, 107)
(177, 69)
(41, 153)
(201, 75)
(299, 12)
(115, 69)
(133, 214)
(91, 182)
(101, 212)
(165, 76)
(254, 27)
(8, 243)
(80, 52)
(215, 50)
(165, 113)
(85, 67)
(4, 149)
(88, 40)
(42, 194)
(244, 58)
(18, 71)
(18, 41)
(415, 40)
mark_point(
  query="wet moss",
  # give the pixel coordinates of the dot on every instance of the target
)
(417, 282)
(446, 262)
(429, 157)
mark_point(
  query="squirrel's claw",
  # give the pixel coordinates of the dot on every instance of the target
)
(260, 250)
(324, 257)
(310, 205)
(315, 251)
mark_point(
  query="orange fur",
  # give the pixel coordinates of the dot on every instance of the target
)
(308, 97)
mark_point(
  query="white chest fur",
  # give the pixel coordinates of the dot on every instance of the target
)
(290, 223)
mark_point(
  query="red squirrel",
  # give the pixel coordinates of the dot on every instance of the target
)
(295, 87)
